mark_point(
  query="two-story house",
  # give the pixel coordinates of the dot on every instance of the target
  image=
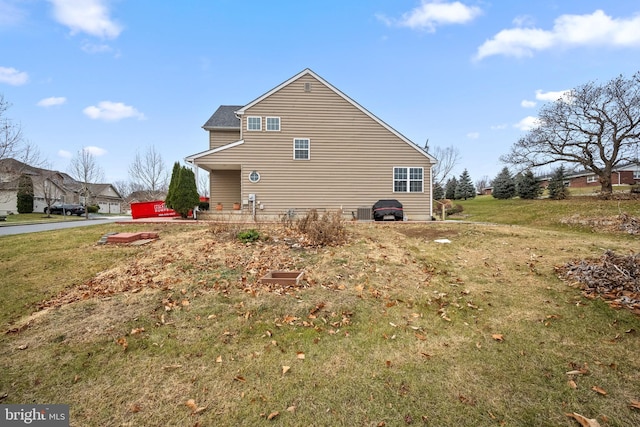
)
(306, 145)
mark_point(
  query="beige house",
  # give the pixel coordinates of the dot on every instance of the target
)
(53, 187)
(306, 145)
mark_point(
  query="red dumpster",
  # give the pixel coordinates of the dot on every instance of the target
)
(151, 210)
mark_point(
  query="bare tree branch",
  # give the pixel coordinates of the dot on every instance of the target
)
(448, 158)
(149, 173)
(84, 169)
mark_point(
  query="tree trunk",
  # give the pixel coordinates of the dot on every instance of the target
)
(605, 184)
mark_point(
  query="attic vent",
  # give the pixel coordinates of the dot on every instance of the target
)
(307, 87)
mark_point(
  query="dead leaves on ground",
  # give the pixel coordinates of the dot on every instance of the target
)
(584, 421)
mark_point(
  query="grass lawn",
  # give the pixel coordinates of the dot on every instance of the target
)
(388, 329)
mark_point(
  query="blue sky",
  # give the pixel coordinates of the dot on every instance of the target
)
(123, 75)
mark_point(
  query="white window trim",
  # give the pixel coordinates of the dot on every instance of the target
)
(266, 124)
(308, 149)
(254, 117)
(408, 180)
(592, 178)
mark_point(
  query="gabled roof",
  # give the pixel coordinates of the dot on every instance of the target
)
(194, 157)
(308, 71)
(224, 118)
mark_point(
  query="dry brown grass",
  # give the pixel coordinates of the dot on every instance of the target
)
(393, 326)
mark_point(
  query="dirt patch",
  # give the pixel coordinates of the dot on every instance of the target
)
(426, 233)
(614, 278)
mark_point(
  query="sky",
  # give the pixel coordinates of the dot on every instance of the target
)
(116, 77)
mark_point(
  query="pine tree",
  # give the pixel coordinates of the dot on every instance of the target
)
(25, 194)
(527, 186)
(185, 196)
(504, 186)
(465, 189)
(438, 191)
(175, 177)
(450, 188)
(557, 189)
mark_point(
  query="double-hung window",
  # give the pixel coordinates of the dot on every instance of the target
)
(254, 123)
(408, 180)
(273, 124)
(301, 148)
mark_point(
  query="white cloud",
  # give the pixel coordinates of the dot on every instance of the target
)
(95, 151)
(95, 48)
(65, 154)
(52, 101)
(10, 14)
(12, 76)
(552, 95)
(528, 104)
(527, 123)
(473, 135)
(112, 111)
(596, 29)
(86, 16)
(499, 127)
(431, 14)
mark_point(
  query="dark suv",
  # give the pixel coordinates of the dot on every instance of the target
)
(68, 209)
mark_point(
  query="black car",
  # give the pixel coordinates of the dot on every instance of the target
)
(388, 210)
(68, 209)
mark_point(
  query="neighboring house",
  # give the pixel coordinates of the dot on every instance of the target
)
(53, 185)
(305, 145)
(627, 174)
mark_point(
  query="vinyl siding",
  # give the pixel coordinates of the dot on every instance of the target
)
(351, 160)
(218, 138)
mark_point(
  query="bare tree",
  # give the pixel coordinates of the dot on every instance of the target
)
(84, 169)
(482, 183)
(13, 145)
(203, 184)
(594, 126)
(149, 172)
(448, 158)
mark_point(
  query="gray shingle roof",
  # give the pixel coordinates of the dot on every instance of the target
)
(224, 117)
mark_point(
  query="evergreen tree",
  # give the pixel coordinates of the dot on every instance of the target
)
(25, 194)
(465, 189)
(557, 189)
(185, 196)
(175, 176)
(504, 186)
(527, 186)
(438, 191)
(450, 188)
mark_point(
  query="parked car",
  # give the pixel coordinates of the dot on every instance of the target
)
(388, 210)
(66, 209)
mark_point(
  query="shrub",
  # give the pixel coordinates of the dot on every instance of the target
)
(25, 194)
(248, 236)
(455, 209)
(635, 189)
(323, 231)
(93, 208)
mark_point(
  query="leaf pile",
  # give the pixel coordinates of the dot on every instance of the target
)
(624, 223)
(614, 278)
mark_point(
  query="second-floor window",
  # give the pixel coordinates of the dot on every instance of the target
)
(254, 123)
(273, 123)
(301, 148)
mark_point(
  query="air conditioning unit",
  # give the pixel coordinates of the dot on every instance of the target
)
(364, 213)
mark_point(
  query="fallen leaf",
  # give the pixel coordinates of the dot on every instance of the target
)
(300, 355)
(635, 404)
(219, 359)
(291, 409)
(136, 331)
(599, 390)
(135, 408)
(388, 363)
(498, 337)
(240, 379)
(191, 404)
(572, 384)
(23, 347)
(421, 337)
(285, 369)
(584, 421)
(122, 342)
(273, 415)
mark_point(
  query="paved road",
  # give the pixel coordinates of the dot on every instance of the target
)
(8, 230)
